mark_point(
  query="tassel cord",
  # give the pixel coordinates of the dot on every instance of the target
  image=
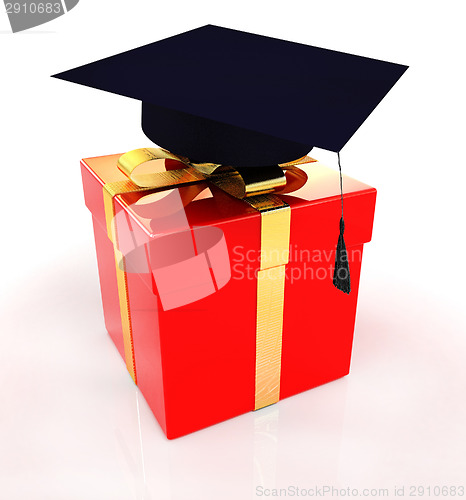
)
(341, 275)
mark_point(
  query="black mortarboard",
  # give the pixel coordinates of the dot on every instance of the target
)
(224, 96)
(218, 95)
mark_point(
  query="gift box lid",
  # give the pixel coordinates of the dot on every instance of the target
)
(315, 206)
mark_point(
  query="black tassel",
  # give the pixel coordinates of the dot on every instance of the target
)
(341, 274)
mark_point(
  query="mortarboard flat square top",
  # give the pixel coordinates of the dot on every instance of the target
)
(224, 96)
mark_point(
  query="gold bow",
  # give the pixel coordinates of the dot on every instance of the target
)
(154, 168)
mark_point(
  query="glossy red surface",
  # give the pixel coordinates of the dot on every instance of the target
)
(196, 363)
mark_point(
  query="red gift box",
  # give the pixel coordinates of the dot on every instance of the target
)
(191, 287)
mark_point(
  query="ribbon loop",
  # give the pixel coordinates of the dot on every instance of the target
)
(150, 167)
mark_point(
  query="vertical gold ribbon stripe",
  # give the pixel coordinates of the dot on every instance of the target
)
(275, 237)
(275, 243)
(269, 325)
(110, 190)
(123, 298)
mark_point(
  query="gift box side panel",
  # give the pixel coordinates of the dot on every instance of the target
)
(319, 319)
(208, 347)
(144, 308)
(93, 196)
(108, 286)
(318, 331)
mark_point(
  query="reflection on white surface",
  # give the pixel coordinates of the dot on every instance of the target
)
(74, 426)
(265, 446)
(187, 467)
(130, 449)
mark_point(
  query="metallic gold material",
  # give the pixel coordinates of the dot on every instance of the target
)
(275, 237)
(147, 168)
(230, 181)
(274, 255)
(299, 161)
(265, 202)
(269, 324)
(125, 312)
(110, 190)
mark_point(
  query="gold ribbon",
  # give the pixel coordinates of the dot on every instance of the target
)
(152, 168)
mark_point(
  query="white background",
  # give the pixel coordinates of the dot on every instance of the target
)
(72, 425)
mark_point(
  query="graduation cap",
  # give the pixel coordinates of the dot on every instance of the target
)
(223, 96)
